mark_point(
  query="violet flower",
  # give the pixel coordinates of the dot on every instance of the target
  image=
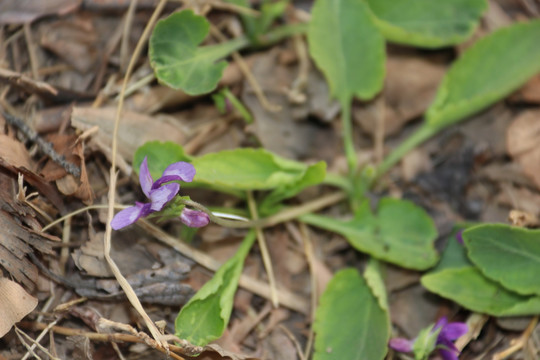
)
(446, 332)
(158, 192)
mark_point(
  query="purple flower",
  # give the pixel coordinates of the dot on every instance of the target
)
(158, 192)
(459, 236)
(446, 334)
(449, 333)
(194, 218)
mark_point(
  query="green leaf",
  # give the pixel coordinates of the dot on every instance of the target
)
(313, 175)
(349, 323)
(160, 155)
(469, 288)
(506, 254)
(400, 233)
(178, 61)
(488, 71)
(347, 47)
(248, 169)
(427, 23)
(374, 278)
(205, 317)
(454, 255)
(425, 342)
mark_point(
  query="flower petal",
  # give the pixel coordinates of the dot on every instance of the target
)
(453, 331)
(194, 218)
(129, 215)
(449, 354)
(401, 345)
(182, 171)
(441, 323)
(163, 195)
(145, 178)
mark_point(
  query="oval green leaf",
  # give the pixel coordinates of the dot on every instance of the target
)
(469, 288)
(205, 317)
(347, 47)
(247, 169)
(178, 61)
(349, 323)
(400, 233)
(488, 71)
(427, 23)
(506, 254)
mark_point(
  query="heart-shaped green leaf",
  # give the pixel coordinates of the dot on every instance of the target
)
(400, 233)
(349, 323)
(347, 47)
(179, 62)
(506, 254)
(206, 315)
(427, 23)
(488, 71)
(469, 288)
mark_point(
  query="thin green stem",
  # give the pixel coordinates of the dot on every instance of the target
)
(418, 137)
(281, 33)
(346, 123)
(284, 215)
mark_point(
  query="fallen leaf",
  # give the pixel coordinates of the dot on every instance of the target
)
(26, 11)
(15, 304)
(73, 152)
(530, 92)
(134, 130)
(74, 41)
(522, 139)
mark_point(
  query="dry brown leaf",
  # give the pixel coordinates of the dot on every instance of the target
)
(410, 86)
(74, 41)
(26, 11)
(530, 92)
(73, 151)
(522, 139)
(15, 304)
(135, 129)
(14, 152)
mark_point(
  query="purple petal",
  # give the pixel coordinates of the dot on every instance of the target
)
(179, 171)
(459, 236)
(449, 354)
(453, 331)
(401, 345)
(194, 218)
(129, 215)
(163, 195)
(145, 178)
(441, 323)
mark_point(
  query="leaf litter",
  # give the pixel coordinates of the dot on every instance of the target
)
(468, 179)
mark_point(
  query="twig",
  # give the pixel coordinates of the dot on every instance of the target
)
(44, 146)
(134, 300)
(117, 337)
(31, 51)
(124, 45)
(519, 343)
(264, 250)
(308, 249)
(294, 340)
(38, 339)
(35, 343)
(247, 73)
(285, 297)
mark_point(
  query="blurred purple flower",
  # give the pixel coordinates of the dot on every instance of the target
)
(158, 192)
(459, 236)
(194, 218)
(448, 333)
